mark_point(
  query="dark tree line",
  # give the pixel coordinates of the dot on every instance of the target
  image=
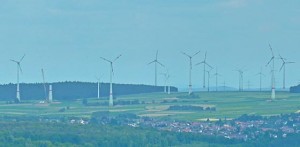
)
(295, 89)
(74, 90)
(191, 108)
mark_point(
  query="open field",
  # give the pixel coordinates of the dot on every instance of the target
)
(228, 105)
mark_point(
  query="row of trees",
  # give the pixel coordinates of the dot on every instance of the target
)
(295, 89)
(74, 90)
(62, 134)
(191, 108)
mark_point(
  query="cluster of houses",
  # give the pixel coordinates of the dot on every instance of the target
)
(247, 129)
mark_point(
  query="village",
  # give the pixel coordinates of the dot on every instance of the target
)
(246, 127)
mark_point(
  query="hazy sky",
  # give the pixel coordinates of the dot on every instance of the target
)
(67, 37)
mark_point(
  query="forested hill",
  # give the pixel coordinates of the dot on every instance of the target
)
(295, 89)
(74, 90)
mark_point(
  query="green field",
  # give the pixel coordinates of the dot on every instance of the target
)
(228, 104)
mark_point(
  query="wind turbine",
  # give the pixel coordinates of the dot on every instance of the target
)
(44, 83)
(166, 76)
(249, 84)
(224, 85)
(50, 98)
(204, 68)
(98, 87)
(111, 101)
(165, 79)
(241, 79)
(208, 78)
(217, 75)
(191, 67)
(19, 69)
(155, 61)
(273, 95)
(169, 86)
(260, 79)
(284, 62)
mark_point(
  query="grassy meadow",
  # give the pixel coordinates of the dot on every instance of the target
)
(228, 105)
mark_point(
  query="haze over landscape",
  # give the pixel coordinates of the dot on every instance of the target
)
(66, 38)
(131, 73)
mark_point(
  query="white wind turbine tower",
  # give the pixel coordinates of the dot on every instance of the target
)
(48, 97)
(273, 95)
(217, 75)
(249, 84)
(284, 62)
(241, 79)
(111, 103)
(44, 84)
(98, 87)
(204, 68)
(19, 69)
(166, 78)
(155, 61)
(168, 81)
(208, 79)
(165, 81)
(169, 86)
(224, 85)
(260, 79)
(190, 71)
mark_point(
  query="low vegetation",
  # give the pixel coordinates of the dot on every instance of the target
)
(20, 124)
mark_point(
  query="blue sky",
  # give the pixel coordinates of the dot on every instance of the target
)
(66, 38)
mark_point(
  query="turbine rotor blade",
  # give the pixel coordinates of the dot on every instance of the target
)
(112, 69)
(160, 63)
(270, 61)
(209, 65)
(280, 57)
(20, 68)
(205, 56)
(156, 54)
(14, 61)
(283, 64)
(186, 54)
(117, 58)
(200, 63)
(22, 58)
(152, 62)
(105, 59)
(289, 62)
(217, 74)
(283, 59)
(271, 49)
(196, 53)
(97, 78)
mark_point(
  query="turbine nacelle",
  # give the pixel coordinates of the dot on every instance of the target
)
(284, 62)
(19, 63)
(111, 62)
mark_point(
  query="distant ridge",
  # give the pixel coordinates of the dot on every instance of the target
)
(226, 88)
(74, 90)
